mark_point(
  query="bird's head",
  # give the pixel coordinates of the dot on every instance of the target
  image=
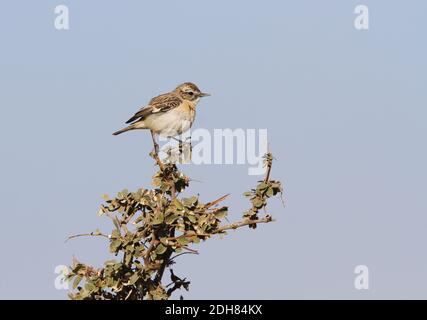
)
(189, 91)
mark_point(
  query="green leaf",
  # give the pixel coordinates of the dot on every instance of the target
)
(116, 223)
(192, 218)
(183, 241)
(262, 186)
(164, 240)
(115, 234)
(77, 281)
(257, 202)
(110, 262)
(134, 278)
(195, 239)
(114, 245)
(177, 204)
(156, 182)
(90, 287)
(160, 249)
(203, 218)
(171, 218)
(189, 202)
(221, 213)
(153, 255)
(158, 218)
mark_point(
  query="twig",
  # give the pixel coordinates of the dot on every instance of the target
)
(182, 253)
(129, 294)
(92, 234)
(269, 161)
(243, 223)
(153, 243)
(212, 203)
(191, 250)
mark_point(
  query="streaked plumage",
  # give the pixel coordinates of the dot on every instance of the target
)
(168, 114)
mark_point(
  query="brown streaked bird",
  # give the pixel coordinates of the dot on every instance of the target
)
(168, 114)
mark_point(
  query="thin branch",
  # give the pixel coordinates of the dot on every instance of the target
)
(92, 234)
(153, 243)
(243, 223)
(173, 190)
(129, 294)
(190, 250)
(212, 203)
(182, 253)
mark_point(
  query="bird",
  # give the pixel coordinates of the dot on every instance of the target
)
(169, 114)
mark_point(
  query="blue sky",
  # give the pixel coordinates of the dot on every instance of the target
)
(345, 112)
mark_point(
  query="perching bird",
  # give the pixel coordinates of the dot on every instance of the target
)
(168, 114)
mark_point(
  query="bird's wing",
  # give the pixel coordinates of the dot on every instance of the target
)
(159, 104)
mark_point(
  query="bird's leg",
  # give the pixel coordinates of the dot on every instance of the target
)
(156, 146)
(155, 153)
(191, 145)
(184, 148)
(180, 144)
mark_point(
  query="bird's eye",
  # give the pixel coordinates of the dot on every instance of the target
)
(190, 93)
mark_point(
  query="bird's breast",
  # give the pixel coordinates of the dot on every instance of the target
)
(188, 106)
(173, 122)
(187, 110)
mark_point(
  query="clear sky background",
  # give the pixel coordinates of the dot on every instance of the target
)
(345, 112)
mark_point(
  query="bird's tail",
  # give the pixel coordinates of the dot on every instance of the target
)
(132, 126)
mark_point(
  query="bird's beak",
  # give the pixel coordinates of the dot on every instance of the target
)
(203, 94)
